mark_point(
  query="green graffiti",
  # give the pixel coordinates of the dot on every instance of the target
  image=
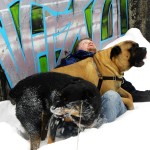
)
(14, 9)
(71, 5)
(88, 17)
(57, 54)
(110, 22)
(75, 45)
(43, 63)
(123, 13)
(37, 19)
(107, 23)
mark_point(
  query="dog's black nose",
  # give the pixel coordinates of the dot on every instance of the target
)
(135, 45)
(143, 48)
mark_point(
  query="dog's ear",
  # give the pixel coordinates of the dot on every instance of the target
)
(115, 51)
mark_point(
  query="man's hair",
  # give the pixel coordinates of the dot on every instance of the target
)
(77, 45)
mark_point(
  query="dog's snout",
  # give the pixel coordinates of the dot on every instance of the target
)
(143, 48)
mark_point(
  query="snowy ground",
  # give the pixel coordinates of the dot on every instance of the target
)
(129, 131)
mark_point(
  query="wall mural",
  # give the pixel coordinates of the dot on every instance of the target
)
(36, 34)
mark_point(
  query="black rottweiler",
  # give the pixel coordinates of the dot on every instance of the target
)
(55, 97)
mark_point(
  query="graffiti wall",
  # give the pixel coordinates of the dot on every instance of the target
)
(36, 34)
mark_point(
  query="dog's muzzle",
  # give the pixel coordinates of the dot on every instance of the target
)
(138, 54)
(62, 111)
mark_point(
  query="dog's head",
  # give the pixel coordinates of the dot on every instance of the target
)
(79, 101)
(127, 54)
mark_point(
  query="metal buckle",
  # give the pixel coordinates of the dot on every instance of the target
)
(114, 78)
(100, 76)
(122, 81)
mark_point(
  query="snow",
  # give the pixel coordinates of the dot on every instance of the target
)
(129, 131)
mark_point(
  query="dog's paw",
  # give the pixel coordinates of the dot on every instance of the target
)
(131, 107)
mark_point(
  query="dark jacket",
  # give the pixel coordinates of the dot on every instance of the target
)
(73, 58)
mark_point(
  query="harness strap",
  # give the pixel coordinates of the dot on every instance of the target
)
(108, 78)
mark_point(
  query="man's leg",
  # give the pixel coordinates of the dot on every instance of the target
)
(141, 96)
(112, 106)
(138, 96)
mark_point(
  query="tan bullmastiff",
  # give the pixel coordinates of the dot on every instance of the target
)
(108, 66)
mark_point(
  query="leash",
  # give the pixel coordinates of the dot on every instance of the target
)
(79, 126)
(101, 78)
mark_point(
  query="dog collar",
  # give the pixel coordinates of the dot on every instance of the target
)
(101, 78)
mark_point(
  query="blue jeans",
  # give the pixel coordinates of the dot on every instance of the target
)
(112, 106)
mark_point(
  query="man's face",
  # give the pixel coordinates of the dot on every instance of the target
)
(87, 45)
